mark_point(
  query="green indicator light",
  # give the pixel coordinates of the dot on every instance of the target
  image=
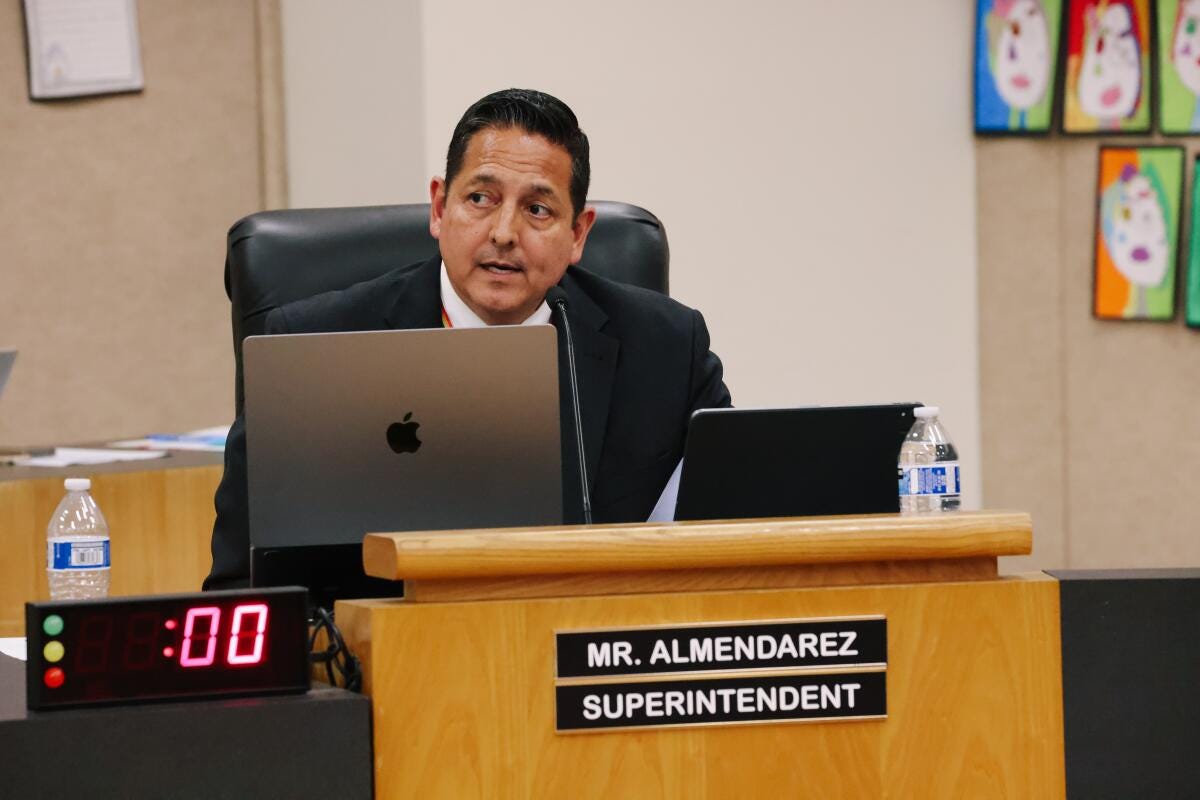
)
(53, 651)
(53, 625)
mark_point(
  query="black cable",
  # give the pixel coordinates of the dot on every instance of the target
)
(337, 658)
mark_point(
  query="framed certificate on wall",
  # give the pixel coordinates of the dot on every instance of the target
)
(82, 47)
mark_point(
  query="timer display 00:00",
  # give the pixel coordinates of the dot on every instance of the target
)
(201, 635)
(217, 643)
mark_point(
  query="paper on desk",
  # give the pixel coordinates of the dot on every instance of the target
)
(14, 647)
(206, 440)
(664, 509)
(72, 456)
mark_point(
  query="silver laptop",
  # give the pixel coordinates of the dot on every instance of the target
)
(351, 433)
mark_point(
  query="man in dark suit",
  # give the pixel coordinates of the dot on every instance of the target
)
(510, 216)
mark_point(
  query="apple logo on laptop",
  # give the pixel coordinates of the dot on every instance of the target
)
(402, 436)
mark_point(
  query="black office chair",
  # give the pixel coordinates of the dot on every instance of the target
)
(275, 257)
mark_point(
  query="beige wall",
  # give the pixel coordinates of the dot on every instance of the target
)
(812, 161)
(353, 101)
(112, 224)
(1091, 425)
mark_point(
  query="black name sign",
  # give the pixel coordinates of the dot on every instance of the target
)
(723, 647)
(722, 701)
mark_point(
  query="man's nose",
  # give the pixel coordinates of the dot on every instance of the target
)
(504, 227)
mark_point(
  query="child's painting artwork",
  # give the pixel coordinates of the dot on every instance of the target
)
(1192, 297)
(1016, 52)
(1137, 232)
(1179, 66)
(1108, 67)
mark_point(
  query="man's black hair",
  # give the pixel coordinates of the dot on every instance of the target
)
(531, 111)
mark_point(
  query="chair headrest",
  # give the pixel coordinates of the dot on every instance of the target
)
(276, 257)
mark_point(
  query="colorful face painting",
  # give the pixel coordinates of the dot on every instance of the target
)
(1137, 230)
(1016, 46)
(1179, 66)
(1108, 66)
(1192, 298)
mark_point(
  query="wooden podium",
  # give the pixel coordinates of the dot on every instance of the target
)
(494, 676)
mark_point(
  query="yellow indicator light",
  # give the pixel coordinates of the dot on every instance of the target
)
(53, 651)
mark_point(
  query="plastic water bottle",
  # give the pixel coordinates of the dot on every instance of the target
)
(77, 552)
(928, 466)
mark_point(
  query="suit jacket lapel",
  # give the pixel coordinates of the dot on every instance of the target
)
(595, 363)
(418, 297)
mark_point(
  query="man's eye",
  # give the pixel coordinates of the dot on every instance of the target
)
(478, 198)
(539, 210)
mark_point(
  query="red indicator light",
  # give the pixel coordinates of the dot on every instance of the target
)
(54, 677)
(170, 624)
(168, 652)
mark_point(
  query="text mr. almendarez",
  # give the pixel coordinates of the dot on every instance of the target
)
(699, 650)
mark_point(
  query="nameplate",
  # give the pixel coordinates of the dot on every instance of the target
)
(740, 700)
(723, 647)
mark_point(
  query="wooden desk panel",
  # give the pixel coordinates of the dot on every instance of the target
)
(160, 521)
(463, 699)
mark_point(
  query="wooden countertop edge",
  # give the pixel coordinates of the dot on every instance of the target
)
(566, 550)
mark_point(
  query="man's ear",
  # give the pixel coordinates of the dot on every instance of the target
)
(581, 227)
(437, 205)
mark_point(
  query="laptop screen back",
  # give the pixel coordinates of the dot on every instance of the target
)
(350, 433)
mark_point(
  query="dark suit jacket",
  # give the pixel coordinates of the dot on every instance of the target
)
(643, 363)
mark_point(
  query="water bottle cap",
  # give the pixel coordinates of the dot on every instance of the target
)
(78, 484)
(926, 412)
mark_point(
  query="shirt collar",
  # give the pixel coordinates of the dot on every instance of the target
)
(461, 315)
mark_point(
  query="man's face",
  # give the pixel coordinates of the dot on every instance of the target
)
(506, 225)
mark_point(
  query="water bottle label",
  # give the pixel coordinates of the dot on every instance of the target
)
(78, 555)
(933, 479)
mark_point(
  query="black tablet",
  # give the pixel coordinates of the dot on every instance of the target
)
(792, 462)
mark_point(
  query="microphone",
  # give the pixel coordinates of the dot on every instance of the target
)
(557, 298)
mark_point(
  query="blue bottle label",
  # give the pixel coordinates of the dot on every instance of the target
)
(933, 479)
(88, 554)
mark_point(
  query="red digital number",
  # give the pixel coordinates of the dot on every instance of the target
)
(141, 642)
(236, 634)
(186, 658)
(95, 636)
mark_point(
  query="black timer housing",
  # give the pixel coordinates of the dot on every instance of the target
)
(166, 647)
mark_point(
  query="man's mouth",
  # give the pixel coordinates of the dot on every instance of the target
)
(500, 267)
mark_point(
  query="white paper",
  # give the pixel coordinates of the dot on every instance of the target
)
(73, 456)
(82, 47)
(14, 647)
(664, 509)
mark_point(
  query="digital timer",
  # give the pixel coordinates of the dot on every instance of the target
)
(166, 647)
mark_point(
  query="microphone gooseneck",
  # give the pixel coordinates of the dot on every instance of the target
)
(557, 298)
